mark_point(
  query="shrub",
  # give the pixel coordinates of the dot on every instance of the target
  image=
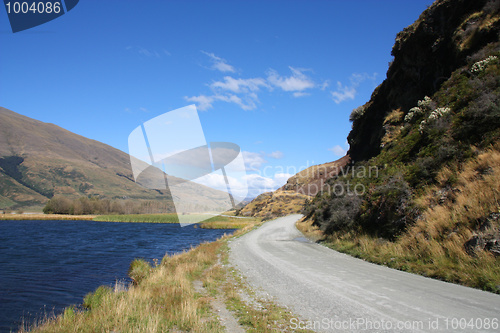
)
(388, 209)
(413, 114)
(139, 270)
(335, 211)
(480, 66)
(357, 113)
(58, 205)
(94, 300)
(481, 117)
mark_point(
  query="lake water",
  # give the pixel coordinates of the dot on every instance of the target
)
(48, 265)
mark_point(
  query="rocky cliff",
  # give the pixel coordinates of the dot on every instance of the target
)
(425, 54)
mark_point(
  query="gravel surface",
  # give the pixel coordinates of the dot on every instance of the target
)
(331, 291)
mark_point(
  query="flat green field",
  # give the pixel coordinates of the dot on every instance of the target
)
(216, 222)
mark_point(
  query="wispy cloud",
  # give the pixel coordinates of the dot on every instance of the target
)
(258, 184)
(147, 52)
(297, 82)
(244, 92)
(219, 63)
(141, 109)
(300, 94)
(253, 161)
(276, 154)
(204, 102)
(338, 150)
(345, 92)
(239, 85)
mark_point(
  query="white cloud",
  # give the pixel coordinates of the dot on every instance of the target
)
(276, 154)
(247, 104)
(300, 94)
(258, 184)
(219, 63)
(244, 91)
(345, 92)
(281, 178)
(338, 150)
(253, 161)
(143, 109)
(239, 85)
(203, 102)
(298, 81)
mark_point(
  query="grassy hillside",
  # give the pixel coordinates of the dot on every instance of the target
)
(274, 204)
(39, 161)
(424, 193)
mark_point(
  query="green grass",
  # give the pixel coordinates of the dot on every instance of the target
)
(139, 218)
(215, 222)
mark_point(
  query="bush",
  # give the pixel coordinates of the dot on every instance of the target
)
(339, 214)
(139, 270)
(388, 208)
(357, 113)
(58, 205)
(481, 117)
(94, 300)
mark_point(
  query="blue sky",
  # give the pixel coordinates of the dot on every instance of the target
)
(279, 78)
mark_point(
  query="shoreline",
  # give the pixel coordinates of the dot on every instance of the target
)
(196, 290)
(43, 217)
(216, 222)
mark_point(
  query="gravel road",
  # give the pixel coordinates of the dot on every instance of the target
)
(331, 291)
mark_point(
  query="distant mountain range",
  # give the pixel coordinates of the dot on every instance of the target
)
(40, 160)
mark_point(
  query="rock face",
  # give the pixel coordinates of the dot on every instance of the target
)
(425, 54)
(487, 237)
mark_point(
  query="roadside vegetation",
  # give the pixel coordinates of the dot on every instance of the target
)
(177, 294)
(433, 206)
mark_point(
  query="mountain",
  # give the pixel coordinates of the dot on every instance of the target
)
(39, 161)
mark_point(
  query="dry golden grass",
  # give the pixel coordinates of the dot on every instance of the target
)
(392, 125)
(165, 300)
(434, 246)
(45, 217)
(275, 204)
(230, 223)
(307, 228)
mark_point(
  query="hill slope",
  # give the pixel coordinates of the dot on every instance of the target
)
(39, 161)
(431, 131)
